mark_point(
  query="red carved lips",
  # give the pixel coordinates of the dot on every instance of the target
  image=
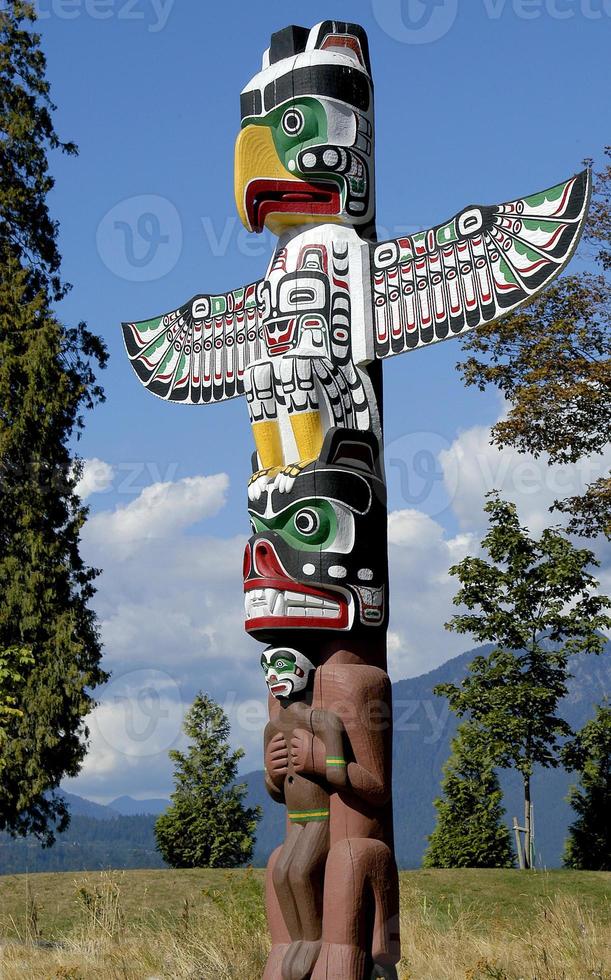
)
(265, 196)
(272, 599)
(280, 336)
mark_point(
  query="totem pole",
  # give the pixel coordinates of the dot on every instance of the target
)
(305, 345)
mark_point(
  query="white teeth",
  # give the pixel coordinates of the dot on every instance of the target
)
(261, 603)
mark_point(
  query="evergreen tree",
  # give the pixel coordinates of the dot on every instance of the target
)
(551, 362)
(588, 847)
(537, 601)
(207, 824)
(470, 831)
(49, 645)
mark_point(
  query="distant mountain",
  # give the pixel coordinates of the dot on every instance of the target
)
(80, 807)
(424, 727)
(127, 806)
(89, 844)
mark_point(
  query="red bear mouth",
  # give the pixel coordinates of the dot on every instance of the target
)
(265, 196)
(272, 599)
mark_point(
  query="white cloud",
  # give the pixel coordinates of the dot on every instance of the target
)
(421, 591)
(170, 608)
(97, 476)
(472, 467)
(159, 512)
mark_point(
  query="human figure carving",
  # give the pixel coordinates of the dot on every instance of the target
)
(329, 765)
(298, 871)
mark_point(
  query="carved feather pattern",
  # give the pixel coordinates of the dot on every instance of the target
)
(472, 269)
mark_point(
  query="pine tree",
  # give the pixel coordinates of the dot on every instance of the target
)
(538, 602)
(588, 847)
(49, 644)
(470, 831)
(207, 824)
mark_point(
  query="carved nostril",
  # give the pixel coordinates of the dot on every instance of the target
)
(266, 561)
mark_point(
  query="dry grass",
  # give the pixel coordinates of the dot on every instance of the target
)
(455, 926)
(562, 939)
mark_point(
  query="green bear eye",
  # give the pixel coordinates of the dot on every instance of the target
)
(307, 521)
(308, 526)
(312, 526)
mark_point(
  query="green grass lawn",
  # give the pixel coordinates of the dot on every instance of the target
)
(498, 897)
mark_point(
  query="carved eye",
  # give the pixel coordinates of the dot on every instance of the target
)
(307, 521)
(293, 122)
(280, 665)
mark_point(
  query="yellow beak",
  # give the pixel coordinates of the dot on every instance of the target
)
(256, 157)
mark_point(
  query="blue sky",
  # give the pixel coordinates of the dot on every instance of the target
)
(477, 102)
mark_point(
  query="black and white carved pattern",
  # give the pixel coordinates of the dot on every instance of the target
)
(485, 262)
(200, 352)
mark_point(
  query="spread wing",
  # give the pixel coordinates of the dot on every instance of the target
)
(481, 264)
(199, 352)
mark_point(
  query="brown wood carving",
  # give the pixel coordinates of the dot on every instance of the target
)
(332, 887)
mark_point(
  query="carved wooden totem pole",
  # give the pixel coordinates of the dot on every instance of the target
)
(304, 345)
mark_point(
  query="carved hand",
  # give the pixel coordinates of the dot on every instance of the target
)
(307, 753)
(277, 760)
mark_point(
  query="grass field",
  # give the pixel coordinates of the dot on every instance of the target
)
(456, 925)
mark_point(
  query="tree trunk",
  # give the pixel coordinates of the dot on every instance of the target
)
(527, 825)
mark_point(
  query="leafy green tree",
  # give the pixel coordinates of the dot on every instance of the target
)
(536, 601)
(552, 362)
(588, 847)
(207, 824)
(470, 831)
(47, 380)
(12, 663)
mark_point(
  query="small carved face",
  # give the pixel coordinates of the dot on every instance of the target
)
(287, 671)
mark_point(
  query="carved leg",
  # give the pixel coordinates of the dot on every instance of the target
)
(281, 939)
(308, 432)
(306, 877)
(261, 395)
(281, 878)
(361, 911)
